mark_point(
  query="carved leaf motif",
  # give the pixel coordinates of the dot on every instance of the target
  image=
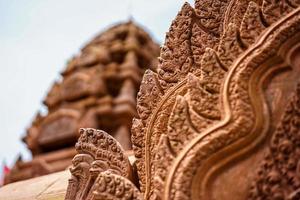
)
(211, 14)
(212, 71)
(252, 25)
(237, 12)
(175, 58)
(203, 101)
(164, 156)
(147, 99)
(149, 94)
(230, 46)
(180, 128)
(198, 49)
(138, 145)
(273, 10)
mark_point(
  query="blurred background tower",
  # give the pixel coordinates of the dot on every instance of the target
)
(97, 89)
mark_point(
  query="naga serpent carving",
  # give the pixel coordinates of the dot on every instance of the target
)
(100, 170)
(226, 73)
(206, 107)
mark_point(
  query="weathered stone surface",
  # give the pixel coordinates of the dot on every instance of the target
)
(101, 169)
(220, 119)
(205, 127)
(49, 187)
(226, 73)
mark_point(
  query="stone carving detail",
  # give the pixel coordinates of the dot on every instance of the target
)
(278, 176)
(205, 118)
(114, 187)
(207, 107)
(100, 170)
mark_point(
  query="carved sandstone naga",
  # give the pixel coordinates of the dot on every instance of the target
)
(100, 170)
(220, 119)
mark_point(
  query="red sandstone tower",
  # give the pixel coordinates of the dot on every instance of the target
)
(97, 89)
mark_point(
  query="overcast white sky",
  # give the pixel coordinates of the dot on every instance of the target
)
(37, 37)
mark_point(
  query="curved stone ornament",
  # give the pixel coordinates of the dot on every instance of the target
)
(224, 72)
(206, 118)
(245, 124)
(99, 152)
(110, 186)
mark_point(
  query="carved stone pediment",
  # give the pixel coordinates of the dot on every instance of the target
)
(226, 76)
(220, 118)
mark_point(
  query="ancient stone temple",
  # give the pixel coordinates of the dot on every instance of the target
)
(97, 89)
(218, 120)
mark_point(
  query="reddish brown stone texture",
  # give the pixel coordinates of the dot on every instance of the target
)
(226, 73)
(219, 119)
(101, 169)
(225, 94)
(97, 90)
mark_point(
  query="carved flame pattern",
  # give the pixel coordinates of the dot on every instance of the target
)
(200, 100)
(206, 107)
